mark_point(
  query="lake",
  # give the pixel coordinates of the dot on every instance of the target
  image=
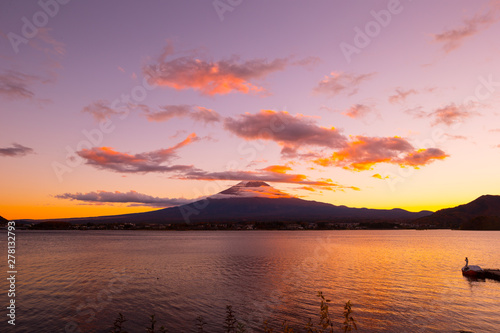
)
(397, 280)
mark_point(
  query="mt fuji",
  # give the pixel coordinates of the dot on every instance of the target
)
(253, 201)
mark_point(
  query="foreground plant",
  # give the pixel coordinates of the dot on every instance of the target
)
(232, 325)
(349, 322)
(117, 326)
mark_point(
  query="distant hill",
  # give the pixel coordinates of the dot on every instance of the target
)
(3, 220)
(480, 214)
(253, 201)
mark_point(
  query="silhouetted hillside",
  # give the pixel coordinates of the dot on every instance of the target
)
(3, 220)
(475, 215)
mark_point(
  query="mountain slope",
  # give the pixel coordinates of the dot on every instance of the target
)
(480, 213)
(253, 202)
(3, 220)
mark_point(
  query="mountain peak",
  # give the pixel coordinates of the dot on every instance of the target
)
(485, 206)
(252, 183)
(251, 189)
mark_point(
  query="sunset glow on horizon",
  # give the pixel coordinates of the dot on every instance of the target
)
(123, 107)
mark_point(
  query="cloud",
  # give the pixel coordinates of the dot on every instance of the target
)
(363, 153)
(422, 157)
(274, 173)
(205, 115)
(495, 130)
(453, 38)
(455, 137)
(308, 62)
(106, 158)
(401, 95)
(277, 168)
(132, 197)
(17, 85)
(16, 150)
(51, 47)
(167, 112)
(416, 112)
(357, 111)
(339, 82)
(299, 132)
(450, 114)
(101, 110)
(291, 132)
(378, 176)
(210, 77)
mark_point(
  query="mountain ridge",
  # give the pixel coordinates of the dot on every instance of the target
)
(251, 201)
(485, 210)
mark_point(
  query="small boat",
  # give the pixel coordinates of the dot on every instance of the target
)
(473, 271)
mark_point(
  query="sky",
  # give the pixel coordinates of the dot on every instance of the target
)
(126, 106)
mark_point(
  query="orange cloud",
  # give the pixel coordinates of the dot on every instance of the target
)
(308, 188)
(365, 152)
(277, 168)
(378, 176)
(106, 158)
(423, 157)
(357, 111)
(276, 174)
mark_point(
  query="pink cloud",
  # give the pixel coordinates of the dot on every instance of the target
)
(17, 85)
(291, 132)
(101, 110)
(450, 114)
(340, 82)
(401, 95)
(452, 39)
(211, 77)
(167, 112)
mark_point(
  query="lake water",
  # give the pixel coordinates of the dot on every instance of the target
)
(397, 281)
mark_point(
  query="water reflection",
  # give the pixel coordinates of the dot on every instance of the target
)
(398, 281)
